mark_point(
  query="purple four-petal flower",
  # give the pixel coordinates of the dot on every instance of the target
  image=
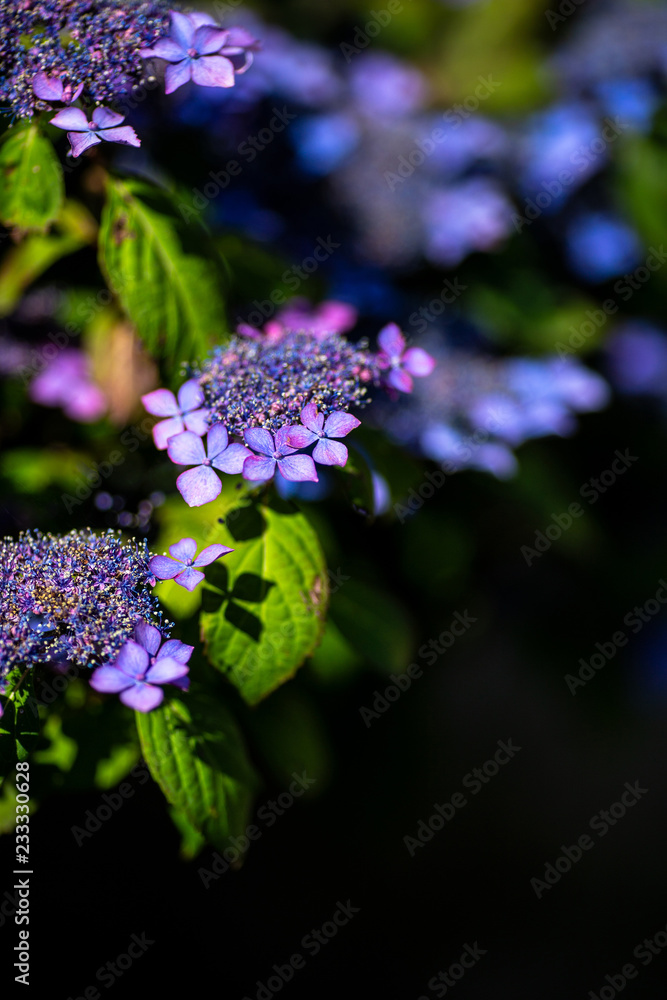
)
(315, 428)
(104, 125)
(186, 413)
(201, 485)
(182, 566)
(296, 468)
(402, 364)
(198, 49)
(141, 665)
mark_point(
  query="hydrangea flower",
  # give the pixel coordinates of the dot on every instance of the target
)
(52, 89)
(67, 382)
(141, 666)
(181, 567)
(201, 485)
(328, 317)
(105, 124)
(186, 413)
(402, 364)
(198, 49)
(276, 452)
(316, 429)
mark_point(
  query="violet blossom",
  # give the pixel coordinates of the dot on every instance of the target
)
(181, 567)
(105, 124)
(402, 364)
(275, 452)
(316, 428)
(201, 485)
(186, 413)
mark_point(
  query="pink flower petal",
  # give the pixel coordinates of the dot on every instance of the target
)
(231, 460)
(72, 119)
(166, 48)
(182, 29)
(189, 578)
(161, 403)
(330, 452)
(256, 469)
(176, 74)
(109, 680)
(198, 19)
(186, 449)
(197, 421)
(209, 39)
(183, 550)
(259, 439)
(213, 71)
(48, 88)
(81, 141)
(106, 118)
(418, 362)
(298, 469)
(165, 669)
(142, 697)
(391, 340)
(311, 419)
(125, 135)
(199, 486)
(217, 440)
(282, 445)
(398, 379)
(148, 636)
(177, 650)
(190, 396)
(300, 437)
(132, 659)
(163, 567)
(339, 424)
(211, 553)
(167, 429)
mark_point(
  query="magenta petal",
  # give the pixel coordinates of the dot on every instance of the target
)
(176, 74)
(199, 486)
(166, 48)
(186, 449)
(300, 437)
(165, 669)
(339, 424)
(213, 71)
(211, 553)
(132, 659)
(177, 650)
(282, 444)
(209, 39)
(231, 460)
(311, 419)
(418, 362)
(190, 396)
(189, 578)
(167, 429)
(182, 29)
(80, 141)
(256, 469)
(125, 135)
(330, 452)
(161, 403)
(183, 550)
(217, 440)
(163, 567)
(106, 118)
(398, 379)
(148, 636)
(142, 697)
(77, 93)
(109, 680)
(72, 119)
(391, 340)
(197, 421)
(259, 439)
(298, 468)
(48, 88)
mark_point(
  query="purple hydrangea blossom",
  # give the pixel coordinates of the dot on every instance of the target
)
(402, 364)
(52, 89)
(186, 413)
(276, 452)
(67, 382)
(327, 317)
(315, 429)
(105, 124)
(181, 567)
(141, 666)
(201, 485)
(199, 50)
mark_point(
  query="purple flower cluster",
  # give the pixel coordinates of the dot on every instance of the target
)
(55, 51)
(279, 393)
(72, 598)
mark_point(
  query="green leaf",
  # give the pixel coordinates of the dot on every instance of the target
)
(31, 180)
(195, 752)
(263, 607)
(19, 724)
(171, 295)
